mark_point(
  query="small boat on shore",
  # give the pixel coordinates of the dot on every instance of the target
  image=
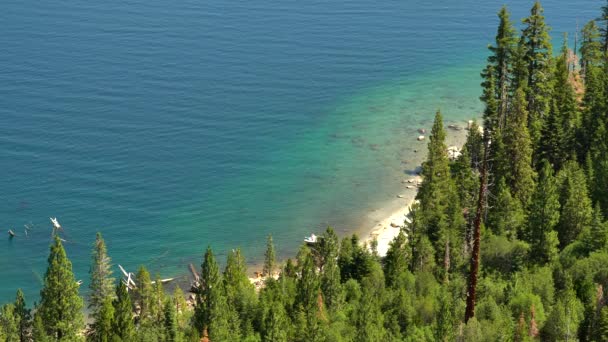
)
(311, 239)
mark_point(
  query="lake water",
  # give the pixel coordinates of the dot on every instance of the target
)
(170, 126)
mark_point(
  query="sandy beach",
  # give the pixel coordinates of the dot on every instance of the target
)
(388, 228)
(388, 223)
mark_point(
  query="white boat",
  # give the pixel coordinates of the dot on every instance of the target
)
(311, 239)
(55, 222)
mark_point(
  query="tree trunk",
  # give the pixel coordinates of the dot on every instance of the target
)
(472, 286)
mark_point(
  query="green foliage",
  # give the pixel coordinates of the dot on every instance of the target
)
(9, 323)
(240, 293)
(507, 215)
(565, 318)
(502, 255)
(60, 305)
(122, 323)
(212, 313)
(269, 257)
(543, 217)
(102, 284)
(518, 151)
(330, 271)
(528, 289)
(537, 55)
(576, 211)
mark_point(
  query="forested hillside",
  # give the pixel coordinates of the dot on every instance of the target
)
(509, 242)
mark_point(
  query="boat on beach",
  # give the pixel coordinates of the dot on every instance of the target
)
(312, 239)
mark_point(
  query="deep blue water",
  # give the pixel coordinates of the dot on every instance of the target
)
(169, 126)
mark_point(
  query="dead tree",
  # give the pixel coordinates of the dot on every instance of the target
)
(472, 286)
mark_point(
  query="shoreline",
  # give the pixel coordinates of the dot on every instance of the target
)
(388, 225)
(389, 218)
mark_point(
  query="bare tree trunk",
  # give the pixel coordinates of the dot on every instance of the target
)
(472, 286)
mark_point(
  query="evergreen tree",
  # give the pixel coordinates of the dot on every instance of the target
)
(435, 188)
(506, 215)
(501, 59)
(24, 316)
(560, 129)
(102, 329)
(171, 328)
(397, 260)
(330, 272)
(596, 236)
(275, 324)
(445, 320)
(102, 283)
(576, 208)
(603, 20)
(240, 293)
(593, 113)
(543, 216)
(537, 55)
(518, 151)
(269, 257)
(565, 318)
(602, 329)
(38, 330)
(591, 47)
(369, 319)
(9, 323)
(144, 295)
(60, 305)
(211, 309)
(122, 323)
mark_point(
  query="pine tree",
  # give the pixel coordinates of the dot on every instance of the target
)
(603, 19)
(596, 236)
(518, 151)
(171, 328)
(435, 187)
(275, 324)
(502, 57)
(330, 272)
(240, 293)
(603, 325)
(537, 56)
(593, 113)
(102, 283)
(561, 126)
(122, 323)
(102, 329)
(591, 47)
(369, 319)
(269, 258)
(397, 259)
(576, 210)
(506, 215)
(445, 320)
(211, 309)
(60, 305)
(24, 316)
(543, 216)
(9, 323)
(38, 330)
(143, 295)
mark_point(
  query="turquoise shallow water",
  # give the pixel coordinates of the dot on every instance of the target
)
(171, 126)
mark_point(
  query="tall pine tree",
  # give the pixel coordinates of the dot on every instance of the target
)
(537, 56)
(102, 283)
(60, 305)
